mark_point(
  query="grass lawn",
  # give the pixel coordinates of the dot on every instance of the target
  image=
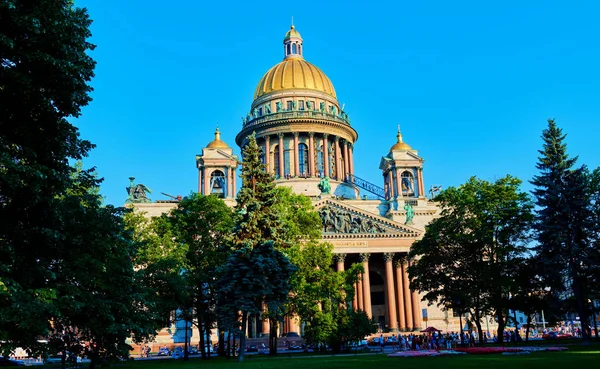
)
(577, 357)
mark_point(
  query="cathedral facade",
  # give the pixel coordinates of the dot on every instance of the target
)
(308, 142)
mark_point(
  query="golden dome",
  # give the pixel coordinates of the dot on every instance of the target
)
(294, 73)
(292, 33)
(217, 143)
(400, 145)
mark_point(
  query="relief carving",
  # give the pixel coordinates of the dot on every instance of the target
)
(343, 221)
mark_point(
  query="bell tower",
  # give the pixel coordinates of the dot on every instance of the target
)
(403, 173)
(217, 169)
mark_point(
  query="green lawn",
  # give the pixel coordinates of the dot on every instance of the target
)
(576, 358)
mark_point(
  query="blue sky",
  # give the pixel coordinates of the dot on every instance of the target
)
(471, 83)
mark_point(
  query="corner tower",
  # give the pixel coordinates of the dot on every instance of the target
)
(403, 172)
(217, 168)
(303, 132)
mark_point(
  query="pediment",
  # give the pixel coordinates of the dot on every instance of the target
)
(216, 154)
(341, 220)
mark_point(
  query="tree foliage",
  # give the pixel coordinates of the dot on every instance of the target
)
(258, 270)
(469, 256)
(202, 227)
(45, 71)
(565, 223)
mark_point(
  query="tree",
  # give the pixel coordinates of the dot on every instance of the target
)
(258, 270)
(202, 225)
(565, 224)
(468, 256)
(44, 74)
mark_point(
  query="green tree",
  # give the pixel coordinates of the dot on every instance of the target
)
(258, 270)
(320, 296)
(202, 225)
(45, 69)
(469, 255)
(565, 224)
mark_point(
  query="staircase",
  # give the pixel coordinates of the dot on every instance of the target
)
(365, 185)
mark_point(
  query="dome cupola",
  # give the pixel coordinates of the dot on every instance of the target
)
(400, 145)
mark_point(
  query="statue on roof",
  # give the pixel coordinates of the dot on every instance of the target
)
(324, 185)
(410, 213)
(137, 192)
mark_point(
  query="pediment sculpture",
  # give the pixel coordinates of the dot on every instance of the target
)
(337, 220)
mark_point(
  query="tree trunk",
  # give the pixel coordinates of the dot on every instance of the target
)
(462, 336)
(273, 336)
(243, 336)
(229, 343)
(221, 350)
(207, 330)
(201, 331)
(581, 310)
(479, 331)
(501, 325)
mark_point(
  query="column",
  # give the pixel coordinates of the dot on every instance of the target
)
(338, 162)
(407, 299)
(340, 262)
(417, 316)
(206, 182)
(398, 183)
(359, 287)
(325, 155)
(296, 156)
(399, 295)
(420, 181)
(391, 184)
(268, 153)
(311, 154)
(199, 180)
(391, 296)
(234, 174)
(294, 326)
(355, 300)
(265, 322)
(351, 158)
(229, 181)
(281, 158)
(366, 285)
(346, 168)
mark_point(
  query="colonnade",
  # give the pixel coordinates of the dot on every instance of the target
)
(328, 155)
(403, 305)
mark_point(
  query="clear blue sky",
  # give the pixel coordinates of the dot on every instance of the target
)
(471, 83)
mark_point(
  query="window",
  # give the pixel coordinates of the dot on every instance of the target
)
(303, 159)
(290, 105)
(294, 49)
(301, 105)
(276, 163)
(260, 112)
(217, 183)
(378, 298)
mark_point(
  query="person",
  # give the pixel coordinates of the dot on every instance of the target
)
(381, 342)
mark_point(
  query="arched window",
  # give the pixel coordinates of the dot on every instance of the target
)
(408, 183)
(288, 49)
(218, 183)
(294, 49)
(303, 159)
(276, 161)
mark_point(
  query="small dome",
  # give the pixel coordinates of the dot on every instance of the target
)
(292, 33)
(400, 145)
(294, 74)
(217, 143)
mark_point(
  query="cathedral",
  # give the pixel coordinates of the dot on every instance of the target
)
(308, 141)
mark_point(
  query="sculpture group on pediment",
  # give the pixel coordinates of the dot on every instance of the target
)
(343, 221)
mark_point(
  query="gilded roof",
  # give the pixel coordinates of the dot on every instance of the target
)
(294, 73)
(217, 143)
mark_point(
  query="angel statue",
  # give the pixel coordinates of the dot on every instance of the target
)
(137, 192)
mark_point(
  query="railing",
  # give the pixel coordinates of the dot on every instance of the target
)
(314, 114)
(368, 186)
